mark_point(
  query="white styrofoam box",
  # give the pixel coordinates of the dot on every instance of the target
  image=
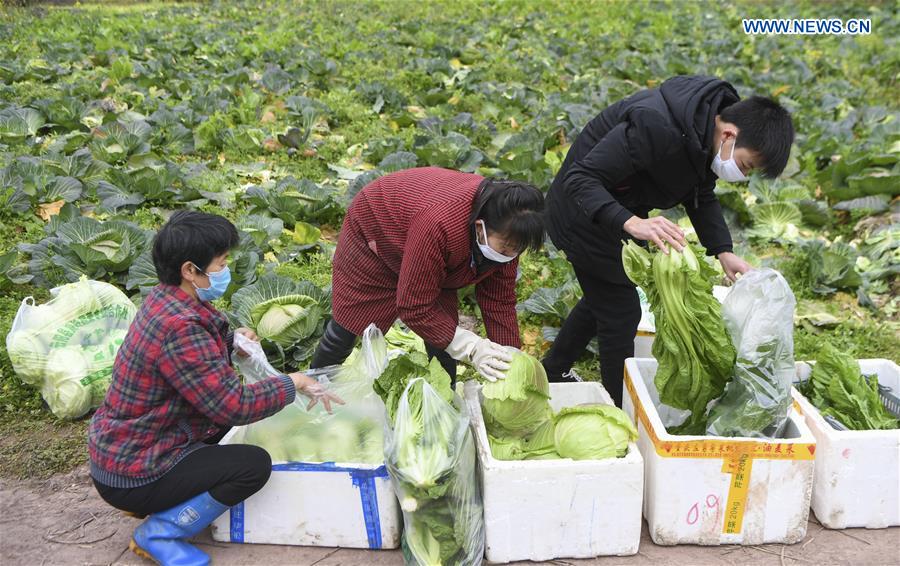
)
(546, 509)
(317, 504)
(857, 480)
(643, 344)
(713, 490)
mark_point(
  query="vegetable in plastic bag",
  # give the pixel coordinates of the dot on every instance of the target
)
(759, 316)
(392, 382)
(430, 456)
(68, 345)
(352, 433)
(62, 390)
(402, 338)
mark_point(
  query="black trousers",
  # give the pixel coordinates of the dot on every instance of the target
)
(337, 343)
(230, 473)
(609, 310)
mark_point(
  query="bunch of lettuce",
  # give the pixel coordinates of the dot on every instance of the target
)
(692, 346)
(430, 457)
(838, 389)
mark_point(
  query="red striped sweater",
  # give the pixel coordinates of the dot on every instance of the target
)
(404, 251)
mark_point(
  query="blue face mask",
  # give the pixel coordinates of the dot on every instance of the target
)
(218, 284)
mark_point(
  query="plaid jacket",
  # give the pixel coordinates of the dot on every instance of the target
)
(172, 387)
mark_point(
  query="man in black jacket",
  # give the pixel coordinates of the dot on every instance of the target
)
(654, 150)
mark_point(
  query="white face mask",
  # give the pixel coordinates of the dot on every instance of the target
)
(489, 252)
(727, 170)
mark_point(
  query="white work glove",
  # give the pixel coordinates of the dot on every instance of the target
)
(489, 358)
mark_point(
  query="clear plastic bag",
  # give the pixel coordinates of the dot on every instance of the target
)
(351, 433)
(759, 316)
(430, 455)
(67, 346)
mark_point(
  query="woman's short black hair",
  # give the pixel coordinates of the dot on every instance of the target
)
(191, 236)
(765, 128)
(513, 209)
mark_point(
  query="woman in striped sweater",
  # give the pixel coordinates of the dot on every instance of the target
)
(410, 241)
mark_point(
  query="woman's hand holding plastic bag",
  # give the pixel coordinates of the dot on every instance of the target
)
(255, 366)
(314, 391)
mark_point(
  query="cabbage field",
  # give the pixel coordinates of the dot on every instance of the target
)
(275, 114)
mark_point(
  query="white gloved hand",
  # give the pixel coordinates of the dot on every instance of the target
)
(489, 358)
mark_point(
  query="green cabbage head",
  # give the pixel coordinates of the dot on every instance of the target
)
(593, 432)
(519, 404)
(287, 319)
(62, 389)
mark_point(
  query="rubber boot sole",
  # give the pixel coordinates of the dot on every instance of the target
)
(133, 546)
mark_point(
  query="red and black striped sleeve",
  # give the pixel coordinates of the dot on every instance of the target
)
(496, 297)
(419, 284)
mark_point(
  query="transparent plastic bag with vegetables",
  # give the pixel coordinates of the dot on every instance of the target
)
(351, 433)
(759, 316)
(67, 346)
(430, 454)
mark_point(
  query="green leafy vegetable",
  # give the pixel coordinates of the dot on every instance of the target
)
(694, 351)
(431, 459)
(283, 312)
(838, 389)
(16, 124)
(393, 381)
(294, 200)
(519, 404)
(593, 432)
(539, 445)
(402, 338)
(775, 220)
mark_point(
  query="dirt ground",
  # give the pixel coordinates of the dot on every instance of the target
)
(63, 521)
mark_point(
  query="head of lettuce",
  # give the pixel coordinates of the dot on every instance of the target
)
(174, 394)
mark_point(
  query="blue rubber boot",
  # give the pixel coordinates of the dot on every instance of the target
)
(161, 537)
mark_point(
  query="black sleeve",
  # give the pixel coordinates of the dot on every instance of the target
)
(633, 145)
(587, 180)
(708, 221)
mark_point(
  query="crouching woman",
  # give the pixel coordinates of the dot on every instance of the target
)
(174, 395)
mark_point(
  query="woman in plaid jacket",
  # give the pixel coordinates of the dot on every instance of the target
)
(174, 395)
(410, 241)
